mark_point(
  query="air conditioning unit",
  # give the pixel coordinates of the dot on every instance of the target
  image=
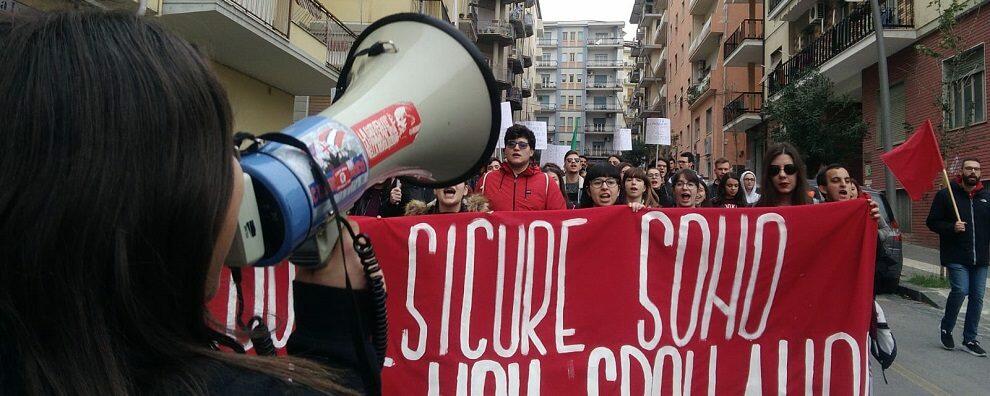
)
(817, 13)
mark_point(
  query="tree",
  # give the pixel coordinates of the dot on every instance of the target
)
(637, 156)
(825, 126)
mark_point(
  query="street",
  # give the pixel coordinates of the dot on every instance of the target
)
(922, 367)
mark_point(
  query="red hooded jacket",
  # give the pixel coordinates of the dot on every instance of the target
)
(530, 190)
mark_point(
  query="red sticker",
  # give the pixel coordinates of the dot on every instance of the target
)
(388, 131)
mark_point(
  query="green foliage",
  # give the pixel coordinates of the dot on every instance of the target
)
(949, 45)
(639, 153)
(826, 127)
(932, 281)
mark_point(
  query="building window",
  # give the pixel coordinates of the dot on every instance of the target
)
(898, 109)
(964, 79)
(708, 121)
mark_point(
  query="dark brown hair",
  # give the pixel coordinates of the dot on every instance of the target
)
(769, 195)
(117, 175)
(649, 196)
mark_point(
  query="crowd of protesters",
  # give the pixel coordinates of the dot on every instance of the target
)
(517, 183)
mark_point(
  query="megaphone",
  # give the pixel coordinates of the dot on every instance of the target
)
(415, 99)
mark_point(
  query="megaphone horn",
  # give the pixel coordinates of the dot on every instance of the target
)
(415, 98)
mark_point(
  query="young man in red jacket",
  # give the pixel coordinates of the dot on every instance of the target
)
(519, 184)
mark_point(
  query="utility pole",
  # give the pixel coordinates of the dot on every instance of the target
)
(889, 182)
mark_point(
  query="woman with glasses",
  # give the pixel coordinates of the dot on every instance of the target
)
(749, 187)
(635, 186)
(729, 192)
(687, 188)
(784, 182)
(601, 186)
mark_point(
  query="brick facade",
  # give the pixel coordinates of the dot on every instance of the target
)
(922, 79)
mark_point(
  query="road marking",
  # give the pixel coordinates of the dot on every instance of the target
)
(918, 380)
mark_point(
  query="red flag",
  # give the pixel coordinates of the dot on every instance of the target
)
(916, 162)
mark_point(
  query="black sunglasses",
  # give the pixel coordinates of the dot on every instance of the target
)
(774, 170)
(513, 144)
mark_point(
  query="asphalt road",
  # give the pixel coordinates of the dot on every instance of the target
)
(922, 367)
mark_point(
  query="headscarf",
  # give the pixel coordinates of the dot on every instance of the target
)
(751, 195)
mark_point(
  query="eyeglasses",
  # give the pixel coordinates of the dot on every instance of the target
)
(654, 175)
(573, 160)
(971, 168)
(514, 144)
(610, 182)
(774, 170)
(686, 184)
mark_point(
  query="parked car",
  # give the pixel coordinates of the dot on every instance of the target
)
(890, 257)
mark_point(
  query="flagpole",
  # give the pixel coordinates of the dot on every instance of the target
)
(952, 197)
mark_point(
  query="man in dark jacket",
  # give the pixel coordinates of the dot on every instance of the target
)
(964, 245)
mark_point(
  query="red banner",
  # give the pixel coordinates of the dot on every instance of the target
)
(605, 301)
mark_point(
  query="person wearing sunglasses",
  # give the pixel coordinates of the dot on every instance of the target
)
(519, 184)
(573, 182)
(784, 180)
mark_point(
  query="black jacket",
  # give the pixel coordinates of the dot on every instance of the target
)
(971, 247)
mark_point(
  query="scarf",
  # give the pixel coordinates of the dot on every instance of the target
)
(751, 195)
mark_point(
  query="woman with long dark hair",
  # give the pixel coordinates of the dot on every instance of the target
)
(636, 189)
(601, 186)
(729, 193)
(119, 204)
(785, 181)
(687, 189)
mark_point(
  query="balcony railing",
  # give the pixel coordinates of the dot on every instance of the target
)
(603, 107)
(695, 91)
(496, 28)
(599, 128)
(606, 63)
(546, 63)
(571, 65)
(605, 41)
(546, 107)
(604, 85)
(545, 42)
(274, 14)
(546, 85)
(750, 29)
(572, 107)
(746, 102)
(324, 26)
(836, 39)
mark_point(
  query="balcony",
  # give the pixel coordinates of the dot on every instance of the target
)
(503, 79)
(848, 47)
(518, 26)
(266, 39)
(515, 64)
(572, 107)
(788, 10)
(572, 43)
(546, 107)
(530, 23)
(496, 31)
(601, 129)
(634, 77)
(527, 61)
(514, 97)
(745, 45)
(660, 33)
(605, 42)
(706, 41)
(649, 15)
(546, 85)
(571, 65)
(660, 65)
(700, 91)
(546, 42)
(701, 7)
(546, 64)
(468, 23)
(608, 63)
(607, 85)
(527, 89)
(743, 112)
(603, 107)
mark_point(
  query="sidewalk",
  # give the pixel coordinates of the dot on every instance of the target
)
(922, 260)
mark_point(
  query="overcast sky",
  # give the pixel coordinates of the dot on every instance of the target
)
(596, 10)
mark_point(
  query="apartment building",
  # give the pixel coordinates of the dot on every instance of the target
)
(504, 31)
(265, 53)
(838, 40)
(693, 70)
(579, 88)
